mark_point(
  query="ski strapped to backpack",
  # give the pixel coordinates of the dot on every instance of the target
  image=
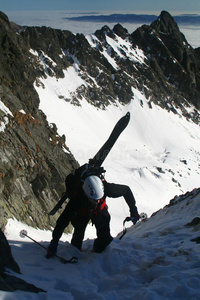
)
(101, 155)
(94, 165)
(59, 204)
(23, 233)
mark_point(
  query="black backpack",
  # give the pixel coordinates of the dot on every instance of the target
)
(75, 181)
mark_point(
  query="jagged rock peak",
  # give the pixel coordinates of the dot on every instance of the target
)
(167, 25)
(4, 17)
(120, 31)
(105, 30)
(165, 22)
(117, 29)
(161, 41)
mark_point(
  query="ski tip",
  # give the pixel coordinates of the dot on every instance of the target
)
(125, 120)
(128, 115)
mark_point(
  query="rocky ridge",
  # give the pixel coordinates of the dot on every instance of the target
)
(155, 59)
(34, 158)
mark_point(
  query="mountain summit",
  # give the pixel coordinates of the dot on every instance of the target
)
(171, 58)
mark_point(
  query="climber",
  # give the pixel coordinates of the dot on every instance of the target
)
(87, 190)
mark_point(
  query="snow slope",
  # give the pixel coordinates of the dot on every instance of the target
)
(157, 155)
(156, 259)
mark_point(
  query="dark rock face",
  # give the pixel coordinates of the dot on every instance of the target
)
(171, 57)
(10, 283)
(7, 282)
(34, 158)
(16, 72)
(33, 169)
(7, 260)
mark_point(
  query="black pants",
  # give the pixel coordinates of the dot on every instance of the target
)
(79, 223)
(101, 220)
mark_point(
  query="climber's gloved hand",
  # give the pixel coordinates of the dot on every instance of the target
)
(134, 215)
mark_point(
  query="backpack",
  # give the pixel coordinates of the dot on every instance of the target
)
(75, 181)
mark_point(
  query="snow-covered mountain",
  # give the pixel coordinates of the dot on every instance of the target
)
(61, 95)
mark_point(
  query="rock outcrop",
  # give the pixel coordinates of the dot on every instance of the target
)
(7, 260)
(9, 282)
(173, 61)
(34, 158)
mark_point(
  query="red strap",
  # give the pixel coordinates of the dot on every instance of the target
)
(103, 203)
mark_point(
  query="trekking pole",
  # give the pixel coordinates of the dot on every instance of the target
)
(23, 233)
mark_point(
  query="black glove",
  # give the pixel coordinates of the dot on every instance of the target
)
(134, 215)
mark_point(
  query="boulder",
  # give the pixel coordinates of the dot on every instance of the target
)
(8, 282)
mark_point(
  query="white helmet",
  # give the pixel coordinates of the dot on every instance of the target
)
(93, 187)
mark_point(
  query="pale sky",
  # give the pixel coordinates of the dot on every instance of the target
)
(96, 5)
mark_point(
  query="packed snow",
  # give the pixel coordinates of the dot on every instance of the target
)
(7, 112)
(156, 259)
